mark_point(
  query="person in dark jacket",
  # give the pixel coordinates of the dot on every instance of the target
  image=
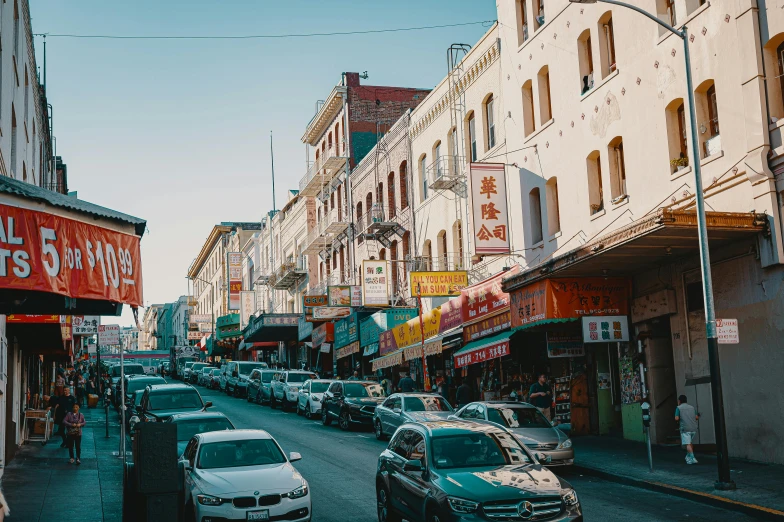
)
(62, 406)
(406, 384)
(464, 394)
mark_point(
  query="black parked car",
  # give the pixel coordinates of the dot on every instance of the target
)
(351, 403)
(161, 401)
(448, 471)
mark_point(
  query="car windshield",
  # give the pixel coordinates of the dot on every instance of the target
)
(518, 417)
(267, 376)
(477, 450)
(180, 400)
(216, 371)
(198, 366)
(188, 365)
(140, 384)
(318, 387)
(299, 377)
(207, 370)
(246, 368)
(237, 453)
(186, 429)
(134, 369)
(427, 404)
(363, 390)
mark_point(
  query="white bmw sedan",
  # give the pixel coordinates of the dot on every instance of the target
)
(242, 475)
(310, 396)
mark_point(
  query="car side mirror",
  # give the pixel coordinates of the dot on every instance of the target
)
(397, 411)
(187, 466)
(294, 456)
(207, 404)
(413, 465)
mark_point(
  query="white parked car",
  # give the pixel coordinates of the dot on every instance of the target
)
(310, 395)
(285, 390)
(243, 475)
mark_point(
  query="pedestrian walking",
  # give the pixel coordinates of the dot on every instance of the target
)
(354, 377)
(74, 422)
(463, 395)
(541, 396)
(61, 406)
(406, 384)
(80, 385)
(687, 416)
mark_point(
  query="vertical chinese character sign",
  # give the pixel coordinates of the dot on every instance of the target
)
(235, 279)
(248, 308)
(488, 208)
(375, 283)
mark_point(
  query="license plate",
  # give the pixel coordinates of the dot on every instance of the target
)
(258, 515)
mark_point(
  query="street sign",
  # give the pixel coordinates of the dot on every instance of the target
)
(85, 324)
(201, 318)
(727, 330)
(108, 334)
(195, 336)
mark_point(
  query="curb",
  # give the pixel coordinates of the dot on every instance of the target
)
(759, 512)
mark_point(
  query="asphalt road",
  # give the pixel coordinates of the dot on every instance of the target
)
(340, 468)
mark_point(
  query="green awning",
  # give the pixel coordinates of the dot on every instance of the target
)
(228, 326)
(545, 321)
(484, 343)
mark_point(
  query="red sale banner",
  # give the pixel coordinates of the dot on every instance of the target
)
(48, 253)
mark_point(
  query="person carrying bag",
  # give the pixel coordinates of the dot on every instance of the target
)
(74, 422)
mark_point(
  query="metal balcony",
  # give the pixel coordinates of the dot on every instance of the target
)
(288, 275)
(316, 241)
(336, 222)
(377, 225)
(322, 172)
(448, 173)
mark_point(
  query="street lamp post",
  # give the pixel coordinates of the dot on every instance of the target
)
(725, 481)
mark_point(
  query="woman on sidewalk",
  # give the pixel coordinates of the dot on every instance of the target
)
(74, 422)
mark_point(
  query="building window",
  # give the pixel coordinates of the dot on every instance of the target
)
(538, 14)
(379, 214)
(585, 56)
(708, 118)
(535, 215)
(595, 190)
(774, 61)
(676, 135)
(391, 195)
(545, 105)
(457, 240)
(403, 185)
(406, 254)
(529, 123)
(553, 210)
(443, 254)
(423, 175)
(329, 141)
(607, 44)
(490, 122)
(437, 160)
(617, 170)
(471, 124)
(13, 141)
(453, 154)
(16, 32)
(382, 254)
(522, 21)
(369, 207)
(358, 220)
(427, 254)
(394, 267)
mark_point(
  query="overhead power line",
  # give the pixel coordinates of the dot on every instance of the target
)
(259, 36)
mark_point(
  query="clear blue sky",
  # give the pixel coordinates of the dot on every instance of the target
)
(177, 131)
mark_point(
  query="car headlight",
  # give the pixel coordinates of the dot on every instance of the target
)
(207, 500)
(293, 389)
(569, 497)
(461, 505)
(565, 444)
(315, 398)
(297, 493)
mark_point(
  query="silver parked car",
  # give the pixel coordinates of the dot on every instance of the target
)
(400, 408)
(310, 396)
(203, 375)
(527, 423)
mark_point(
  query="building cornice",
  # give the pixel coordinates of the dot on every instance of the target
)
(206, 249)
(325, 116)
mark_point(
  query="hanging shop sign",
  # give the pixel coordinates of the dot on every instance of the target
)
(280, 320)
(394, 359)
(309, 301)
(235, 279)
(204, 327)
(431, 348)
(32, 319)
(247, 306)
(451, 315)
(485, 353)
(325, 348)
(66, 327)
(195, 336)
(328, 313)
(108, 334)
(488, 208)
(304, 328)
(610, 328)
(347, 350)
(564, 345)
(727, 331)
(371, 328)
(346, 331)
(85, 324)
(437, 284)
(322, 334)
(345, 295)
(49, 253)
(437, 321)
(487, 298)
(487, 327)
(570, 298)
(186, 351)
(375, 283)
(200, 318)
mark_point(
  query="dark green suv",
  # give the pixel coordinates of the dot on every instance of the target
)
(460, 471)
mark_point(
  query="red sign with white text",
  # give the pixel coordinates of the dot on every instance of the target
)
(47, 253)
(492, 351)
(34, 319)
(486, 298)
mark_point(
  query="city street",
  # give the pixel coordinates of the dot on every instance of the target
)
(340, 468)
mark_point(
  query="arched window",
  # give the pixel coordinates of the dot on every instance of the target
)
(394, 270)
(443, 253)
(438, 161)
(585, 56)
(457, 241)
(406, 253)
(427, 254)
(545, 105)
(617, 170)
(14, 144)
(773, 54)
(403, 185)
(358, 221)
(595, 190)
(489, 122)
(607, 44)
(708, 118)
(529, 122)
(471, 136)
(423, 176)
(553, 210)
(329, 141)
(391, 195)
(382, 254)
(676, 135)
(522, 21)
(337, 138)
(535, 215)
(380, 215)
(369, 207)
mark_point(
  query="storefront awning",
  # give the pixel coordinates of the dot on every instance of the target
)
(645, 244)
(228, 326)
(393, 359)
(434, 345)
(483, 350)
(272, 327)
(67, 256)
(258, 346)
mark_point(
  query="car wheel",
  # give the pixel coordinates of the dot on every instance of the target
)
(273, 401)
(285, 405)
(379, 431)
(344, 421)
(258, 397)
(248, 397)
(307, 413)
(299, 410)
(433, 514)
(325, 420)
(385, 511)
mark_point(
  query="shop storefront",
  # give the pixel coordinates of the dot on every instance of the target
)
(371, 328)
(228, 336)
(348, 356)
(323, 338)
(282, 329)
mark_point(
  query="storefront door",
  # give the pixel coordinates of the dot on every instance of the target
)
(661, 381)
(607, 384)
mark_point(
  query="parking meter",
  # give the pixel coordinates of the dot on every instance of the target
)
(646, 414)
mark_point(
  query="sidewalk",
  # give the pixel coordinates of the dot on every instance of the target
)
(760, 490)
(40, 484)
